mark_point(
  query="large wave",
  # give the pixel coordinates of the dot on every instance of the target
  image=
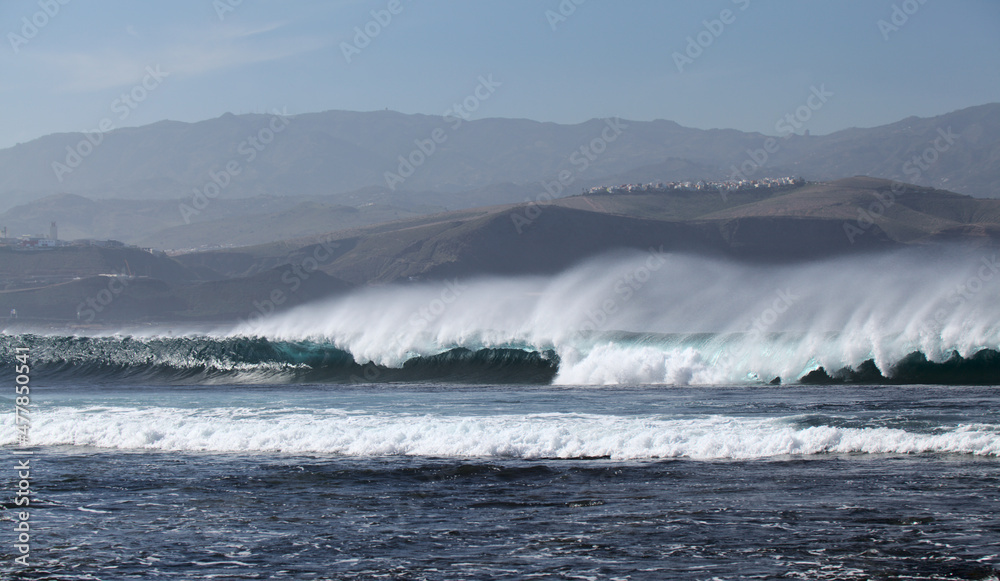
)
(640, 318)
(628, 318)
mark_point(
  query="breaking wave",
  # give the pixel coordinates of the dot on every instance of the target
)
(616, 360)
(628, 318)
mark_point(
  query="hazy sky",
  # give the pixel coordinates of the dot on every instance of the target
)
(554, 60)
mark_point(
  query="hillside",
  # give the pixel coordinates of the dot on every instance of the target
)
(907, 214)
(813, 220)
(35, 268)
(303, 219)
(161, 224)
(339, 152)
(791, 223)
(958, 152)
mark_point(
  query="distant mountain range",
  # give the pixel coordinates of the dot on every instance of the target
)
(420, 161)
(802, 222)
(385, 198)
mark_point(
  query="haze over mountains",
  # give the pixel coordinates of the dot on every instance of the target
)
(310, 213)
(800, 222)
(328, 171)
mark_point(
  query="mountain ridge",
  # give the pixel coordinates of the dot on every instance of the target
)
(803, 222)
(334, 152)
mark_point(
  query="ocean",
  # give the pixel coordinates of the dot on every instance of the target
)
(652, 417)
(431, 481)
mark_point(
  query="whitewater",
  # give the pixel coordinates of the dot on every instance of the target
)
(911, 316)
(525, 435)
(644, 415)
(678, 319)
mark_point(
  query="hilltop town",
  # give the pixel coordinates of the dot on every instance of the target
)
(699, 186)
(51, 240)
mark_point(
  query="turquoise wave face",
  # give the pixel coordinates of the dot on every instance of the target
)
(203, 359)
(625, 319)
(260, 360)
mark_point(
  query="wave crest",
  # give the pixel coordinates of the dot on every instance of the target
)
(553, 435)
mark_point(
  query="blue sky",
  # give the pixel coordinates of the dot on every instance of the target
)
(598, 58)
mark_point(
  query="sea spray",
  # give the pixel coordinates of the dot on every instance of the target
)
(834, 313)
(692, 320)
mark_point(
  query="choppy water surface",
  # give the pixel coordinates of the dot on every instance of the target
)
(458, 482)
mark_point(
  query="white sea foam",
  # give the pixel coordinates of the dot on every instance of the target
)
(831, 313)
(641, 318)
(550, 435)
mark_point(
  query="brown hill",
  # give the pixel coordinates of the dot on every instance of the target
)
(907, 214)
(805, 222)
(801, 223)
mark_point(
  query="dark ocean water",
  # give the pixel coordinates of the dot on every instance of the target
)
(554, 427)
(406, 481)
